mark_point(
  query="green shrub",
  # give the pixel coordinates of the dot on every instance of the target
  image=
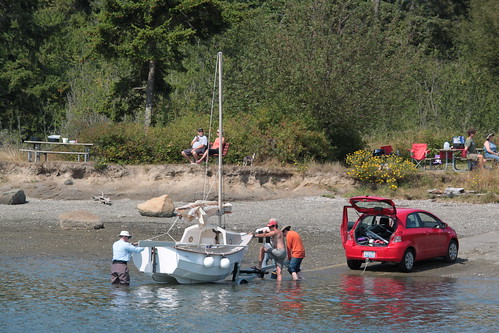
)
(267, 133)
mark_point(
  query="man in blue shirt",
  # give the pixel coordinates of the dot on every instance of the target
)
(121, 256)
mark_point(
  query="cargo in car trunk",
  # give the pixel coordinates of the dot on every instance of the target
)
(374, 230)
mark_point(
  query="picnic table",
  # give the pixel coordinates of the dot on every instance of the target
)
(451, 157)
(48, 147)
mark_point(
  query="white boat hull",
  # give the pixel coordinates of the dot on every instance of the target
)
(184, 263)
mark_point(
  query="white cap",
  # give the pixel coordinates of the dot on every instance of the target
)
(125, 233)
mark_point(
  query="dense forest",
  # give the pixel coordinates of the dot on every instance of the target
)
(303, 79)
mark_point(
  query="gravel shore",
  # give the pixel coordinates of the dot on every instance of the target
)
(32, 229)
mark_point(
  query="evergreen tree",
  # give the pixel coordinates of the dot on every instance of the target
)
(151, 34)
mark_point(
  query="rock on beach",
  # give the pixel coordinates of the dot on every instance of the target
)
(157, 207)
(13, 197)
(80, 220)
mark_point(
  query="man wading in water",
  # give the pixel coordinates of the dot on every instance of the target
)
(121, 256)
(278, 252)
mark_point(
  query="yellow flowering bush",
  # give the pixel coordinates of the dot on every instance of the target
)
(386, 169)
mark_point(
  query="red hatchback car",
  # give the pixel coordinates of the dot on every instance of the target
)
(403, 235)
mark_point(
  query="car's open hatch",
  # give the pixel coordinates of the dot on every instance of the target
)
(373, 205)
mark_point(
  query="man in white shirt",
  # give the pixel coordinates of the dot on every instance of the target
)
(121, 256)
(198, 144)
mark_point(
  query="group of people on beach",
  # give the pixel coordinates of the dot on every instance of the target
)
(200, 150)
(286, 249)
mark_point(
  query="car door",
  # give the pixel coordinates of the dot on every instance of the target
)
(417, 235)
(436, 235)
(350, 216)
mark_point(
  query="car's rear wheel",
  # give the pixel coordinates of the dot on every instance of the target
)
(407, 263)
(452, 251)
(354, 264)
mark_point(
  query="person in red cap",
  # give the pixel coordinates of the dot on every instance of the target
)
(278, 252)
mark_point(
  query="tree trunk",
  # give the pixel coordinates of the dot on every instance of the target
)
(150, 94)
(376, 6)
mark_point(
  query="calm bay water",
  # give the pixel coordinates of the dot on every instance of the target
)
(75, 296)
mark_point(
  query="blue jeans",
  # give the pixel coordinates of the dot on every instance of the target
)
(294, 265)
(487, 155)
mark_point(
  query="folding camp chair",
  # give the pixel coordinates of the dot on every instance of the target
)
(419, 152)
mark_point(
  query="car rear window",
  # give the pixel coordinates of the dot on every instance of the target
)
(376, 205)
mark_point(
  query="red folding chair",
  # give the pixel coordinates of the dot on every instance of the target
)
(419, 152)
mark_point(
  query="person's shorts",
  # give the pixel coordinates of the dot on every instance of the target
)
(200, 151)
(294, 265)
(279, 255)
(473, 157)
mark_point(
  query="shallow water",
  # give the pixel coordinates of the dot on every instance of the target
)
(75, 296)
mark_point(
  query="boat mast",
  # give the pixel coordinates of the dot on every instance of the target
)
(220, 136)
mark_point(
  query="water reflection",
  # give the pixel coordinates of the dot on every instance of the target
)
(163, 297)
(396, 299)
(291, 298)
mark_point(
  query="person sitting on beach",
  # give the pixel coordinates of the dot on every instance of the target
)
(470, 149)
(490, 148)
(213, 150)
(278, 252)
(198, 146)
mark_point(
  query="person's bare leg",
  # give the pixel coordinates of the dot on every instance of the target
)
(294, 275)
(481, 161)
(278, 271)
(202, 157)
(186, 157)
(195, 155)
(260, 257)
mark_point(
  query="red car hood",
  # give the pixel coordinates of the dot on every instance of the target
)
(373, 205)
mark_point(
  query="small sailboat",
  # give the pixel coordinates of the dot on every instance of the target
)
(206, 252)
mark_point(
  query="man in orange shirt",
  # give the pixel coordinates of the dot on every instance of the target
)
(296, 252)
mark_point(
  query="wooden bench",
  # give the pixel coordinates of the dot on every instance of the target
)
(472, 164)
(225, 149)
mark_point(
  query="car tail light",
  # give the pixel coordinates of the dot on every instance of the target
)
(396, 238)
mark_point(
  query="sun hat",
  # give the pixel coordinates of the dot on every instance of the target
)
(200, 130)
(125, 233)
(272, 223)
(286, 228)
(489, 135)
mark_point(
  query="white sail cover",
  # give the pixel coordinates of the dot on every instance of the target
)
(202, 210)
